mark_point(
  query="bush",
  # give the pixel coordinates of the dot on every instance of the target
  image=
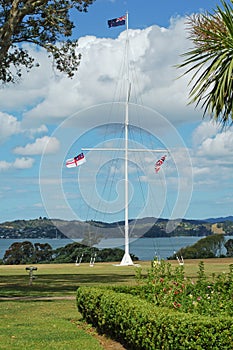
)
(141, 325)
(170, 288)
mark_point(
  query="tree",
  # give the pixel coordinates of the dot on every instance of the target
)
(19, 253)
(229, 247)
(42, 252)
(27, 253)
(208, 247)
(43, 23)
(70, 252)
(211, 62)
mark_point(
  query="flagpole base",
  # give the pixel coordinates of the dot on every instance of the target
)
(126, 260)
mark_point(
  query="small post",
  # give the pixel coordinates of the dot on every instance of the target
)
(31, 276)
(79, 260)
(92, 261)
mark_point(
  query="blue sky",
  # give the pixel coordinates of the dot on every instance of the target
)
(47, 118)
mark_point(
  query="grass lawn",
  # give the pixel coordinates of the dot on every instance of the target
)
(63, 279)
(52, 324)
(43, 325)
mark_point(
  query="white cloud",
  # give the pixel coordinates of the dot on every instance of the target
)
(204, 131)
(218, 147)
(23, 163)
(154, 52)
(9, 126)
(19, 163)
(42, 145)
(44, 98)
(32, 88)
(40, 130)
(5, 165)
(212, 156)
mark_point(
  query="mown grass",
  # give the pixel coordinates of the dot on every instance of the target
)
(52, 324)
(63, 279)
(43, 325)
(60, 279)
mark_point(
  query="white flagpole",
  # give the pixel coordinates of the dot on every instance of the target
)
(126, 260)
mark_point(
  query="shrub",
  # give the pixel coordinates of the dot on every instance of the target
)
(141, 325)
(170, 288)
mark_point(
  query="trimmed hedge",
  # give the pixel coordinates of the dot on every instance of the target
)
(141, 325)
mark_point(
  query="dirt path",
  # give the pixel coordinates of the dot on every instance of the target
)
(105, 342)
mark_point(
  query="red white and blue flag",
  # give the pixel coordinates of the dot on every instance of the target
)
(76, 161)
(159, 163)
(115, 22)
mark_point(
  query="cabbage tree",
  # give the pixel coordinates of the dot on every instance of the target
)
(210, 62)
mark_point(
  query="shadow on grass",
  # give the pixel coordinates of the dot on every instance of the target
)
(55, 284)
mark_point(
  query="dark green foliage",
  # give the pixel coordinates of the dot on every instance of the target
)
(141, 326)
(116, 254)
(27, 253)
(169, 287)
(208, 247)
(72, 251)
(43, 23)
(42, 252)
(229, 247)
(211, 62)
(159, 312)
(19, 253)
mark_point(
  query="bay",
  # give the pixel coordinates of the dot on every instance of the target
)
(144, 248)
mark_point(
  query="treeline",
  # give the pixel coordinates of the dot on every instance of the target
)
(29, 253)
(208, 247)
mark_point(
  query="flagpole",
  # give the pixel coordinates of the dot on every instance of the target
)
(126, 260)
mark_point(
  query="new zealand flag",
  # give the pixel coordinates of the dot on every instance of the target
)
(115, 22)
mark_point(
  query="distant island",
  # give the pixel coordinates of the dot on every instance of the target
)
(146, 227)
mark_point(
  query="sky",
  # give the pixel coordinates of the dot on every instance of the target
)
(47, 118)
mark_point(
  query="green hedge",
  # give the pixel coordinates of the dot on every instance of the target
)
(140, 325)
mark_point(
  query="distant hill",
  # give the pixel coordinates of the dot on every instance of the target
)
(220, 219)
(145, 227)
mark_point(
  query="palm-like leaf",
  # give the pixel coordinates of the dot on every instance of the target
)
(211, 60)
